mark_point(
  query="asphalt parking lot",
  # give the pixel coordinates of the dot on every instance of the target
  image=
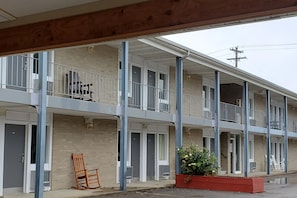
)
(275, 186)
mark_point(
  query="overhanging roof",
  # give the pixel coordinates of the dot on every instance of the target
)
(163, 51)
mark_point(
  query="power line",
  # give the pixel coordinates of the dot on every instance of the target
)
(269, 45)
(237, 58)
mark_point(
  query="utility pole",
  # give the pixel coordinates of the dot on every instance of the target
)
(237, 58)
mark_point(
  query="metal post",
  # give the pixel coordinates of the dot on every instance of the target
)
(217, 118)
(41, 125)
(124, 118)
(246, 124)
(286, 132)
(179, 107)
(268, 131)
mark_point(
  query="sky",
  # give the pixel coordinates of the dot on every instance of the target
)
(270, 48)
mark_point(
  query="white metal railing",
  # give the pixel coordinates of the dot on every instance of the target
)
(79, 84)
(143, 96)
(14, 71)
(228, 112)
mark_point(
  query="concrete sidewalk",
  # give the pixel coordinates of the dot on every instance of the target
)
(277, 185)
(73, 193)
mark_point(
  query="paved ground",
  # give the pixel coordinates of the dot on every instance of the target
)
(276, 186)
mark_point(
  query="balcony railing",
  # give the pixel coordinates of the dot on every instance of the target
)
(143, 96)
(228, 113)
(21, 73)
(79, 84)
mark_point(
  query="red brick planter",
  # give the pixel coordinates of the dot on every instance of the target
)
(236, 184)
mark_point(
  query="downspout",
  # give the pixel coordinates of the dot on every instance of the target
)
(179, 108)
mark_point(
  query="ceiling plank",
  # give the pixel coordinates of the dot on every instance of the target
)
(136, 20)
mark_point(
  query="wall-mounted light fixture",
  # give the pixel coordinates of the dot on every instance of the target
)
(89, 122)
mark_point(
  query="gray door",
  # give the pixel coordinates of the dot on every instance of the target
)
(14, 156)
(135, 154)
(150, 162)
(151, 90)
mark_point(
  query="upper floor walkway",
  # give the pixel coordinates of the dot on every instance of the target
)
(75, 89)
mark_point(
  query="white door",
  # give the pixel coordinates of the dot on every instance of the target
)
(235, 145)
(33, 72)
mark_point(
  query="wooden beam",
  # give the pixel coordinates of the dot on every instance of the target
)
(145, 18)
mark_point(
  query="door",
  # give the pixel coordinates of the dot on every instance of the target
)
(235, 143)
(14, 147)
(34, 64)
(151, 90)
(136, 86)
(135, 154)
(150, 162)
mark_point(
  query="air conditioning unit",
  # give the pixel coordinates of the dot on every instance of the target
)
(46, 183)
(49, 86)
(164, 171)
(252, 122)
(208, 115)
(163, 107)
(129, 173)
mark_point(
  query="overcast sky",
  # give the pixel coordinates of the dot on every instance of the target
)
(270, 48)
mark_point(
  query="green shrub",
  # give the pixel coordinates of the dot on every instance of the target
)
(197, 161)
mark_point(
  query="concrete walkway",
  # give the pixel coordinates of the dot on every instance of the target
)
(73, 193)
(276, 185)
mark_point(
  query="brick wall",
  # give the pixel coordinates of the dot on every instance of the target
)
(99, 146)
(192, 94)
(101, 60)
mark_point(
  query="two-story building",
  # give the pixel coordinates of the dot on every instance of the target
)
(83, 109)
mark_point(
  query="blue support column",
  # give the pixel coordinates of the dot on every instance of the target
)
(124, 118)
(217, 117)
(286, 133)
(246, 124)
(179, 112)
(41, 125)
(268, 144)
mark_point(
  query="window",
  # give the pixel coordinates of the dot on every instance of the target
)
(251, 105)
(205, 97)
(33, 145)
(35, 64)
(209, 144)
(163, 86)
(162, 147)
(208, 94)
(119, 145)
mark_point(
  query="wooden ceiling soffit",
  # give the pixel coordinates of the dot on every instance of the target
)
(145, 18)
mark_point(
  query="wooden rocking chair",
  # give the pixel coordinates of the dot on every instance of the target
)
(85, 179)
